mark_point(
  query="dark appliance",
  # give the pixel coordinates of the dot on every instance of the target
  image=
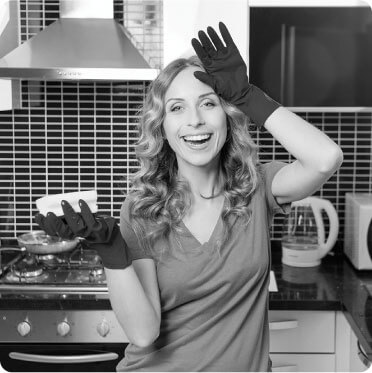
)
(55, 313)
(312, 56)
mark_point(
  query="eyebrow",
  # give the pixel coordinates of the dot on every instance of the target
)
(182, 99)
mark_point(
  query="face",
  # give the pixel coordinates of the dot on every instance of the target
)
(195, 124)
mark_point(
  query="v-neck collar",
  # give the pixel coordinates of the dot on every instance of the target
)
(214, 231)
(211, 238)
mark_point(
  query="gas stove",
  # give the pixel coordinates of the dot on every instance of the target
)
(58, 300)
(79, 271)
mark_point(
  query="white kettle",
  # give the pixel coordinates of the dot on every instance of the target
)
(303, 238)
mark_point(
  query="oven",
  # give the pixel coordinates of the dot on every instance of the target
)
(55, 314)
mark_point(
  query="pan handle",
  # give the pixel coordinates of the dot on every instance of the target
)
(12, 248)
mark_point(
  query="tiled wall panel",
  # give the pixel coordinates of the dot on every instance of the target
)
(76, 136)
(68, 137)
(72, 136)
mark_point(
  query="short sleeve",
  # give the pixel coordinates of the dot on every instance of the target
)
(269, 170)
(128, 233)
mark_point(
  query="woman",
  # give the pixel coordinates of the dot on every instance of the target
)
(190, 283)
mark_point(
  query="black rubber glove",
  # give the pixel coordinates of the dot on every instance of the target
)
(100, 233)
(49, 225)
(227, 75)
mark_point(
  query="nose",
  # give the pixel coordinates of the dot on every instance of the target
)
(196, 118)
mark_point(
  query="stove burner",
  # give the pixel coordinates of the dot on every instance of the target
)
(48, 257)
(80, 267)
(95, 272)
(24, 270)
(51, 261)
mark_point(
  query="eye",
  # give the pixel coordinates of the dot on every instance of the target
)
(175, 108)
(209, 103)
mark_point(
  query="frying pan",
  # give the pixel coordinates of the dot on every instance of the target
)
(38, 242)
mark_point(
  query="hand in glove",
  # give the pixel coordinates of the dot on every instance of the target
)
(226, 73)
(100, 233)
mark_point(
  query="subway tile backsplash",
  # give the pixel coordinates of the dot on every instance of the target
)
(67, 137)
(72, 136)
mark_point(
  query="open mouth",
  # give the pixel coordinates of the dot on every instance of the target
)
(197, 139)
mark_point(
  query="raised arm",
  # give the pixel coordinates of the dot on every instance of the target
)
(317, 156)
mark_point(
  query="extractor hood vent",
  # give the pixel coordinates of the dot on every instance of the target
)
(85, 43)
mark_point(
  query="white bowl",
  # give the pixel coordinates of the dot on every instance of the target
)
(52, 203)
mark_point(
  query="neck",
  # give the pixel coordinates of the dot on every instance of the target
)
(205, 182)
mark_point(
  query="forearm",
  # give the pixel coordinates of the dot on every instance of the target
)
(310, 146)
(134, 310)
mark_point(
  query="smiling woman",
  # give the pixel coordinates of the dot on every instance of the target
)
(190, 281)
(197, 219)
(185, 107)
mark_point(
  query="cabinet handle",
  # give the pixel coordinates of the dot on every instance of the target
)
(283, 325)
(64, 359)
(285, 368)
(362, 356)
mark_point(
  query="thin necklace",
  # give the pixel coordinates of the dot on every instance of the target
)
(211, 196)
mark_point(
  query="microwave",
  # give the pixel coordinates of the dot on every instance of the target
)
(358, 229)
(318, 56)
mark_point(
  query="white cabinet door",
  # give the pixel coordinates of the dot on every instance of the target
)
(302, 331)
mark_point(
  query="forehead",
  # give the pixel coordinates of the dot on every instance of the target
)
(185, 85)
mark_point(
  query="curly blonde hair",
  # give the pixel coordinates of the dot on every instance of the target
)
(159, 199)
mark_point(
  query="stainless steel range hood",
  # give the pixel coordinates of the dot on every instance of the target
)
(86, 43)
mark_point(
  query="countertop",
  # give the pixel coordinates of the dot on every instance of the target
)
(333, 285)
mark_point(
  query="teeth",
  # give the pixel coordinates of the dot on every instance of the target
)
(197, 137)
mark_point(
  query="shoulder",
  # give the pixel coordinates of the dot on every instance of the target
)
(267, 172)
(125, 210)
(130, 233)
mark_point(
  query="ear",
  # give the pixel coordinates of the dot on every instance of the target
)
(163, 135)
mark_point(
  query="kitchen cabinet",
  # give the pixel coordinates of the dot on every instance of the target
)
(9, 89)
(303, 341)
(312, 56)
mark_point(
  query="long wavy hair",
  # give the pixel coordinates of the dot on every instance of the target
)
(159, 198)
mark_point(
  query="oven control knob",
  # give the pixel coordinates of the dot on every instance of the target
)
(103, 328)
(63, 328)
(24, 328)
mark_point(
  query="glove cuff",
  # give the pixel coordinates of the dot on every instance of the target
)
(258, 105)
(114, 254)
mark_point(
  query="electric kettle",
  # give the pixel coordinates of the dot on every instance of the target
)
(303, 238)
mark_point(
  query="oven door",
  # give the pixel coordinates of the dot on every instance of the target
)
(61, 357)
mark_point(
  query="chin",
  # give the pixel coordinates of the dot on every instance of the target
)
(202, 161)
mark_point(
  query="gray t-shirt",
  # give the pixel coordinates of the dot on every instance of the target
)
(214, 304)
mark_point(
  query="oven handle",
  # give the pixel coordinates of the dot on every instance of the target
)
(92, 358)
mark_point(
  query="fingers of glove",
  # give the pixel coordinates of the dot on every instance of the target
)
(73, 219)
(199, 50)
(88, 217)
(40, 220)
(226, 35)
(207, 44)
(205, 78)
(216, 39)
(58, 226)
